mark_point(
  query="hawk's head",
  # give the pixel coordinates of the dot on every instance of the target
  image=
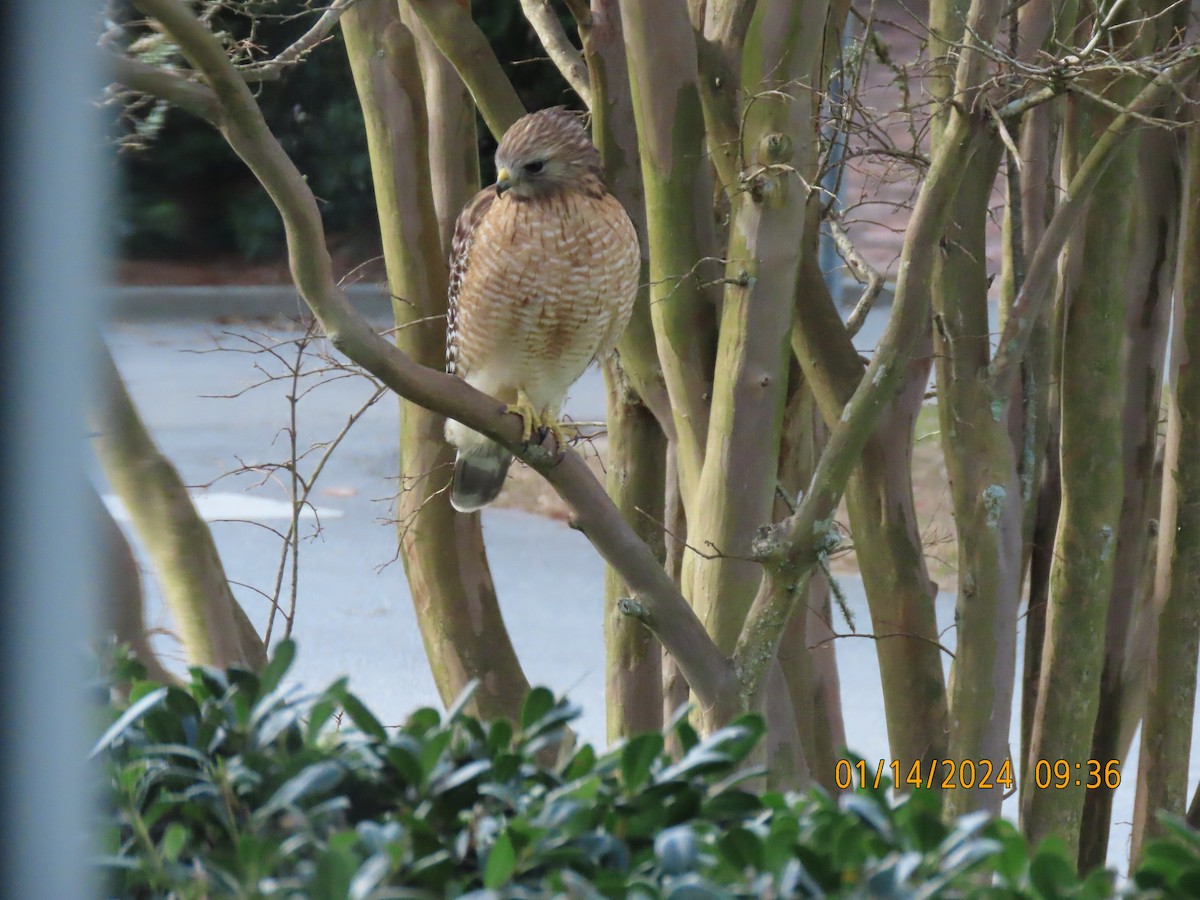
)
(546, 152)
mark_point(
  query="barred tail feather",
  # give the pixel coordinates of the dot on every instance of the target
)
(479, 473)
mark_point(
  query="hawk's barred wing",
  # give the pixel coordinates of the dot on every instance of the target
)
(460, 252)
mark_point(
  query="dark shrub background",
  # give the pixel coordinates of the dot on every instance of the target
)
(184, 194)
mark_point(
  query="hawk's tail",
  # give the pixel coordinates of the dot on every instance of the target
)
(479, 473)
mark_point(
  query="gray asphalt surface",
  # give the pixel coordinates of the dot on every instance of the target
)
(353, 613)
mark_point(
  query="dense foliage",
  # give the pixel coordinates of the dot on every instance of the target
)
(238, 785)
(183, 191)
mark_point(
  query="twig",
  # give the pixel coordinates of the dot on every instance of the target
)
(861, 269)
(322, 28)
(835, 588)
(717, 554)
(879, 637)
(1043, 264)
(568, 60)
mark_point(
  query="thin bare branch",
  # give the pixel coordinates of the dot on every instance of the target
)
(1035, 292)
(862, 270)
(320, 31)
(542, 17)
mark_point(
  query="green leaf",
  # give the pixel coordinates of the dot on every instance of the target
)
(695, 887)
(731, 805)
(432, 751)
(537, 705)
(1050, 873)
(131, 715)
(336, 868)
(423, 720)
(677, 849)
(580, 764)
(281, 661)
(871, 811)
(463, 698)
(406, 762)
(499, 735)
(360, 715)
(501, 863)
(369, 875)
(460, 776)
(315, 779)
(173, 841)
(318, 718)
(741, 848)
(638, 757)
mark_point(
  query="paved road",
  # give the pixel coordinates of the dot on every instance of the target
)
(354, 614)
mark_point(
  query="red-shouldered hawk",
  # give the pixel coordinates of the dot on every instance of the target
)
(543, 272)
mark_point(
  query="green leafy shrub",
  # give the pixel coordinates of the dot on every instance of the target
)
(250, 786)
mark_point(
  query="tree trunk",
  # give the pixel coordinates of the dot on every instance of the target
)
(1167, 730)
(879, 498)
(444, 558)
(1149, 284)
(636, 482)
(737, 484)
(661, 53)
(1092, 483)
(806, 671)
(212, 626)
(985, 489)
(124, 604)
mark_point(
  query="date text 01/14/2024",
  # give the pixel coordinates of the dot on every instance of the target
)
(968, 774)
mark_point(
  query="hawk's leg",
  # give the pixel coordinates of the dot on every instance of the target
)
(533, 418)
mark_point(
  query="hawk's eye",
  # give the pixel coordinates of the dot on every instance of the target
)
(534, 167)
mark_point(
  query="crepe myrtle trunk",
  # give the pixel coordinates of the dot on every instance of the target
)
(453, 139)
(124, 610)
(636, 482)
(1170, 704)
(1149, 284)
(442, 550)
(661, 54)
(1032, 421)
(806, 655)
(879, 498)
(1150, 277)
(1091, 381)
(211, 624)
(1033, 411)
(980, 461)
(614, 132)
(640, 420)
(984, 488)
(739, 475)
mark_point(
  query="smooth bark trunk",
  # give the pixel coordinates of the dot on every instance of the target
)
(443, 553)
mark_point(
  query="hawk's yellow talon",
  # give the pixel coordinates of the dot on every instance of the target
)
(532, 417)
(529, 415)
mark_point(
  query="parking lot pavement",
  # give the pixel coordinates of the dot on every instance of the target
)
(354, 614)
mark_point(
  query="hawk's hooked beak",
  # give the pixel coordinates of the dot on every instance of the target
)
(503, 182)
